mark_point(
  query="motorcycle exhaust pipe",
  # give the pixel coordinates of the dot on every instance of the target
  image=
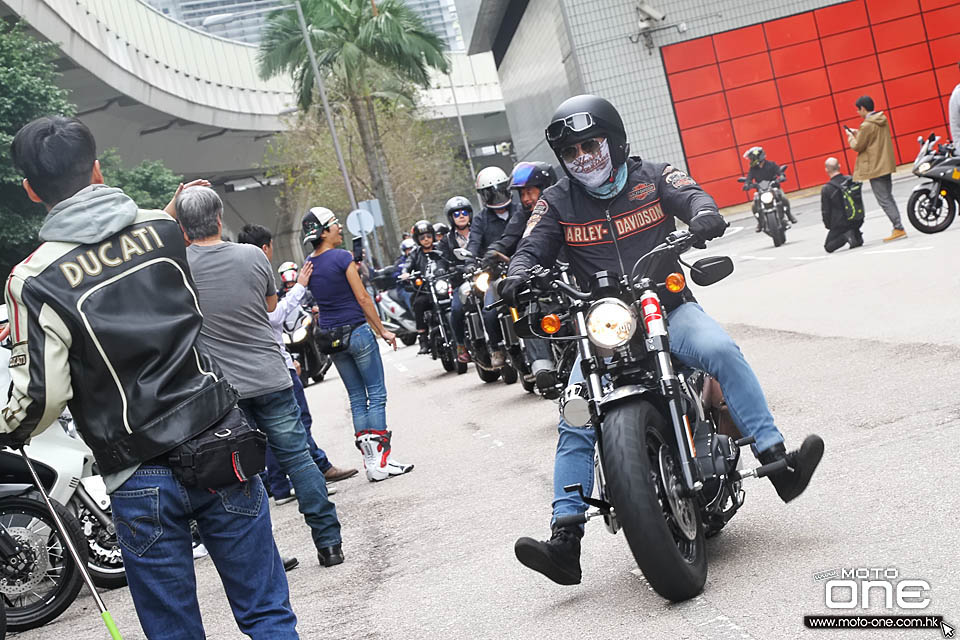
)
(107, 618)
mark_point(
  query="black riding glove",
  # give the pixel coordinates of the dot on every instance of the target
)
(708, 225)
(490, 259)
(15, 439)
(510, 287)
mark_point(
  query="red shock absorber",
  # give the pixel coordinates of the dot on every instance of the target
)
(652, 314)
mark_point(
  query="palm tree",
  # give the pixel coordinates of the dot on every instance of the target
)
(366, 48)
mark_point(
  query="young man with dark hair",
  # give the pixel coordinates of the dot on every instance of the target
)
(104, 318)
(875, 160)
(277, 480)
(236, 291)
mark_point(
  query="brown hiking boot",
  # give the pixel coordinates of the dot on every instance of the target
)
(335, 474)
(896, 235)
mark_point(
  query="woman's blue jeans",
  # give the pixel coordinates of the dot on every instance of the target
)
(697, 340)
(361, 370)
(152, 512)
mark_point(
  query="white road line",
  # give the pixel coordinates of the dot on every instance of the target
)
(897, 250)
(757, 258)
(400, 367)
(497, 443)
(808, 257)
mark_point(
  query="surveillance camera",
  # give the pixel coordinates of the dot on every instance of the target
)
(651, 13)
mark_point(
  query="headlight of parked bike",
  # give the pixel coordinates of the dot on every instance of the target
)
(300, 334)
(611, 323)
(924, 167)
(442, 286)
(483, 281)
(766, 197)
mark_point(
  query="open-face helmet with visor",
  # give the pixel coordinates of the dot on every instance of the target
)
(423, 228)
(493, 186)
(456, 205)
(577, 125)
(533, 174)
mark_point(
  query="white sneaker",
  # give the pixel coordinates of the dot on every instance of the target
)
(377, 461)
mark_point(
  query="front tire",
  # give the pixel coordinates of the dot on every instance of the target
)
(408, 339)
(487, 375)
(777, 229)
(509, 374)
(923, 220)
(57, 575)
(634, 434)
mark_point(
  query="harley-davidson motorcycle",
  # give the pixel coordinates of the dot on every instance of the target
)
(436, 283)
(668, 456)
(933, 204)
(771, 208)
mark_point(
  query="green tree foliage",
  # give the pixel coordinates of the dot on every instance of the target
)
(27, 76)
(366, 52)
(151, 184)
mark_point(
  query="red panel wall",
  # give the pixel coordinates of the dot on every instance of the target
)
(790, 84)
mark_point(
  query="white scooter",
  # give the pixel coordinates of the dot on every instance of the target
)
(396, 318)
(68, 472)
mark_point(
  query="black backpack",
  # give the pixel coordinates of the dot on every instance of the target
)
(852, 198)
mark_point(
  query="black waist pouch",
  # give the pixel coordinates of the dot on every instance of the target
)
(228, 452)
(336, 339)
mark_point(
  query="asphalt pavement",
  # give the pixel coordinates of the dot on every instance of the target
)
(857, 346)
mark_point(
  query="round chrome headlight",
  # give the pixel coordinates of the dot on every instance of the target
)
(611, 323)
(766, 197)
(483, 281)
(300, 334)
(924, 167)
(442, 286)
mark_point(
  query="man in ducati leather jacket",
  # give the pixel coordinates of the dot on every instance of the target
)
(605, 196)
(104, 317)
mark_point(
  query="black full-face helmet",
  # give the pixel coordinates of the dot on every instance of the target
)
(423, 228)
(755, 156)
(584, 117)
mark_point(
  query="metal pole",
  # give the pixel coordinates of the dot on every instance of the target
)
(107, 619)
(326, 105)
(463, 132)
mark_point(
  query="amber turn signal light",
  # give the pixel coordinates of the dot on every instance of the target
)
(550, 324)
(675, 283)
(418, 282)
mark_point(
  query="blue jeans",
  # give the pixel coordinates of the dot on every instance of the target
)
(278, 415)
(361, 370)
(490, 322)
(697, 341)
(277, 480)
(457, 317)
(152, 513)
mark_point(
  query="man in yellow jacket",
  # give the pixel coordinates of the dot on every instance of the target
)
(875, 160)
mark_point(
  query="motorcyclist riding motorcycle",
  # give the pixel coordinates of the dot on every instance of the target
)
(403, 296)
(440, 230)
(459, 212)
(418, 261)
(763, 169)
(493, 186)
(608, 211)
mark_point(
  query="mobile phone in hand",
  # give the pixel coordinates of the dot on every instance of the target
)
(849, 130)
(358, 249)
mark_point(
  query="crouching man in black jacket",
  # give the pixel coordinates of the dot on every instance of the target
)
(606, 193)
(104, 317)
(840, 230)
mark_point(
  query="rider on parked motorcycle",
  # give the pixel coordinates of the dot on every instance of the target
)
(763, 169)
(606, 191)
(418, 262)
(493, 186)
(459, 212)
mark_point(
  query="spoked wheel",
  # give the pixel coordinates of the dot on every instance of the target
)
(925, 217)
(662, 526)
(49, 582)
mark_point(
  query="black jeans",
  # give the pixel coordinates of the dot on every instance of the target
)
(836, 238)
(421, 302)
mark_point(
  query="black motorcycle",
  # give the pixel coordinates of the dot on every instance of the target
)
(476, 283)
(666, 474)
(436, 283)
(770, 206)
(299, 338)
(38, 578)
(933, 204)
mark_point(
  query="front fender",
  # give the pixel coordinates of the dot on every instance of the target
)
(929, 187)
(626, 392)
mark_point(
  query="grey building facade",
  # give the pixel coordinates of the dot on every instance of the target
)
(548, 50)
(243, 29)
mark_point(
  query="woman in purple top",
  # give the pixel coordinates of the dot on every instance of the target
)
(344, 303)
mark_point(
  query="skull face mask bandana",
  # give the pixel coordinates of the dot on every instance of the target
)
(591, 170)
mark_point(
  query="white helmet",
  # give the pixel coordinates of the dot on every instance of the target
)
(407, 244)
(493, 185)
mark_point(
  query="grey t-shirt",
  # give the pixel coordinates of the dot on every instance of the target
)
(232, 281)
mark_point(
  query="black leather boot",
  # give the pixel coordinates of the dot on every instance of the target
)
(424, 344)
(801, 462)
(557, 558)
